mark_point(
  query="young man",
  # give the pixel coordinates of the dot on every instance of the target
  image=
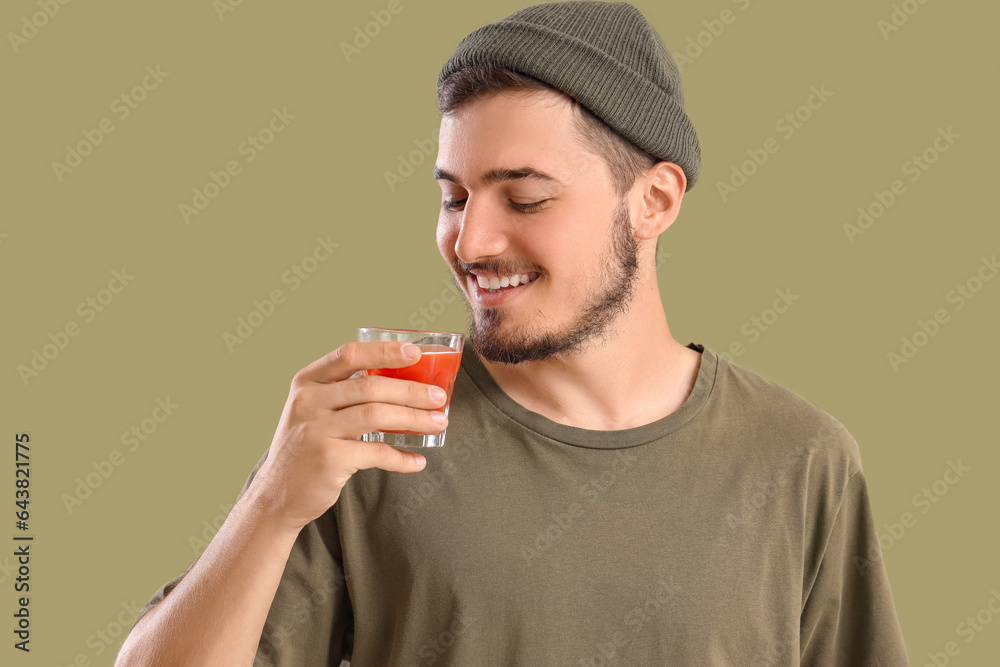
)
(606, 493)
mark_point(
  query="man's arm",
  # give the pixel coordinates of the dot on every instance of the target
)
(216, 613)
(848, 617)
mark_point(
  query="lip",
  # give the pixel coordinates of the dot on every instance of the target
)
(494, 299)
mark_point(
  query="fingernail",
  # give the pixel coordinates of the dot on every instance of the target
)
(439, 417)
(411, 351)
(421, 461)
(438, 394)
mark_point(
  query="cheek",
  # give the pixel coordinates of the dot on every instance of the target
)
(573, 254)
(573, 243)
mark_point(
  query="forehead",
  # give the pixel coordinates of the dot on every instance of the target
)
(510, 130)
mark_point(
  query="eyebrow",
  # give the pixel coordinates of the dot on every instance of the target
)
(501, 175)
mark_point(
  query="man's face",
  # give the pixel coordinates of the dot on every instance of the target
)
(520, 195)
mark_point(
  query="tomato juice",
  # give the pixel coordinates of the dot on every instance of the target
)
(438, 365)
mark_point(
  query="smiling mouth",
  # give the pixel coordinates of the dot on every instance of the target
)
(501, 289)
(483, 285)
(502, 284)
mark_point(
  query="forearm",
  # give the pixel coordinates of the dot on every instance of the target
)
(216, 613)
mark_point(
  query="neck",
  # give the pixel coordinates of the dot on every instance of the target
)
(642, 374)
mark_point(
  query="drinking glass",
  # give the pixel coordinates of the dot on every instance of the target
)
(440, 358)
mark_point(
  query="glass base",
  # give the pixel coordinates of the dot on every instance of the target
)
(407, 439)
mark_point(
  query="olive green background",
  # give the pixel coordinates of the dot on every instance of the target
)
(324, 175)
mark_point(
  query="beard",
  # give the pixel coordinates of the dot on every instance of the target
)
(610, 295)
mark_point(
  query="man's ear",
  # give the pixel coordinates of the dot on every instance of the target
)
(662, 189)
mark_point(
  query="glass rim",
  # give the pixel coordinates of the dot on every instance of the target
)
(433, 333)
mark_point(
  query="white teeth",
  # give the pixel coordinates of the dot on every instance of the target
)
(498, 283)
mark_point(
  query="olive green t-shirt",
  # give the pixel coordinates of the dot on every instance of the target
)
(735, 531)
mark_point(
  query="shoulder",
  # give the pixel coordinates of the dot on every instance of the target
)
(782, 427)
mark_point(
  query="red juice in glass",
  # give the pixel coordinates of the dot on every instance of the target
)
(438, 365)
(440, 359)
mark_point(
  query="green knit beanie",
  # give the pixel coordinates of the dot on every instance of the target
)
(606, 56)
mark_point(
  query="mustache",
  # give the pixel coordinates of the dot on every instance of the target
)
(463, 268)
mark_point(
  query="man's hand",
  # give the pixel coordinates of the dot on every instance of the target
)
(317, 445)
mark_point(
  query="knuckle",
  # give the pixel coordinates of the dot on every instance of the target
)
(309, 431)
(349, 354)
(384, 352)
(419, 391)
(298, 380)
(297, 401)
(373, 411)
(368, 385)
(302, 395)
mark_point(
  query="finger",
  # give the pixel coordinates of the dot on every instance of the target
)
(365, 455)
(342, 363)
(378, 389)
(358, 419)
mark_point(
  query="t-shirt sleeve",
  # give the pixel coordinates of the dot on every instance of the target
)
(311, 621)
(848, 617)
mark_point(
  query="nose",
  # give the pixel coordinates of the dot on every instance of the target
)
(482, 232)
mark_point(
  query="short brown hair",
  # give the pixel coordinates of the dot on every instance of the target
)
(625, 160)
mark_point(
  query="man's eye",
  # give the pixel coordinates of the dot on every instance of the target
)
(527, 208)
(456, 204)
